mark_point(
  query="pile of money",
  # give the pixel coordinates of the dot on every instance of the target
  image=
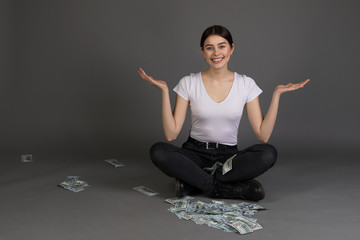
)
(217, 214)
(73, 184)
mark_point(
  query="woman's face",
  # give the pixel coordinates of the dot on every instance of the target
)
(217, 51)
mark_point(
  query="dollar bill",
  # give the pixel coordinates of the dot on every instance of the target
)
(146, 191)
(71, 187)
(227, 165)
(172, 201)
(255, 206)
(114, 162)
(181, 205)
(200, 219)
(184, 215)
(71, 179)
(220, 203)
(241, 227)
(227, 228)
(211, 170)
(217, 214)
(26, 158)
(73, 184)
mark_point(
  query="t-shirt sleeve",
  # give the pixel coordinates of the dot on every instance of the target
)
(252, 89)
(183, 88)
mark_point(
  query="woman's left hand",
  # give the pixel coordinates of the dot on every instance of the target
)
(290, 87)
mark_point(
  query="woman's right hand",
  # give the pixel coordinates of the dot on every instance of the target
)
(157, 83)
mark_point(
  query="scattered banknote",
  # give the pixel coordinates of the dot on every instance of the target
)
(73, 184)
(227, 165)
(172, 201)
(146, 191)
(116, 163)
(235, 217)
(211, 170)
(25, 158)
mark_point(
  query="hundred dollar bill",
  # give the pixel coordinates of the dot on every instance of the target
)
(72, 179)
(71, 187)
(116, 163)
(227, 165)
(253, 225)
(241, 227)
(174, 200)
(184, 215)
(146, 191)
(212, 222)
(251, 222)
(200, 219)
(255, 206)
(211, 170)
(181, 205)
(73, 184)
(217, 214)
(25, 158)
(81, 184)
(227, 228)
(217, 202)
(64, 184)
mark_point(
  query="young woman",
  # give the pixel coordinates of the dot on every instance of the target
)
(216, 97)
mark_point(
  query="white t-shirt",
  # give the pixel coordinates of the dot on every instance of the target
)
(216, 122)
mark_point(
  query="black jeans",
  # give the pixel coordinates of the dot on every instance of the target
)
(187, 163)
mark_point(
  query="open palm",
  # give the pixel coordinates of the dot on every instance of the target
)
(157, 83)
(291, 87)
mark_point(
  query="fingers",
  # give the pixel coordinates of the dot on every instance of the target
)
(298, 85)
(291, 87)
(142, 72)
(148, 78)
(144, 75)
(302, 84)
(306, 81)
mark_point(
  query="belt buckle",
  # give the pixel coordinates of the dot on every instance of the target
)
(207, 146)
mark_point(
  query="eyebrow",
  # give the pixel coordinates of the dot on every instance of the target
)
(212, 44)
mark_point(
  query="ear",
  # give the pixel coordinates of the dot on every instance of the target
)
(232, 48)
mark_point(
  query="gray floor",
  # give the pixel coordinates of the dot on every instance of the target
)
(307, 198)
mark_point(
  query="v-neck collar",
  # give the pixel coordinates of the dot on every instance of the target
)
(212, 100)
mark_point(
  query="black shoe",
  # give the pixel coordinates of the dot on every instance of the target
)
(182, 189)
(247, 190)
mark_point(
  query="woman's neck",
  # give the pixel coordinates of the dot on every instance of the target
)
(217, 74)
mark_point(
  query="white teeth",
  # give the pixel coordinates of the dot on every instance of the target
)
(217, 60)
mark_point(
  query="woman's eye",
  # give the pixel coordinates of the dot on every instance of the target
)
(222, 46)
(208, 48)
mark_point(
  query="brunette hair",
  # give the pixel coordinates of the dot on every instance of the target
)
(216, 30)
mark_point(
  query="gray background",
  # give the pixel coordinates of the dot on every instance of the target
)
(69, 69)
(71, 96)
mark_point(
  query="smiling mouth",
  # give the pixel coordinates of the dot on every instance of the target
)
(217, 60)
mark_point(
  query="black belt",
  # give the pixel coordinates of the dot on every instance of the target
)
(211, 145)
